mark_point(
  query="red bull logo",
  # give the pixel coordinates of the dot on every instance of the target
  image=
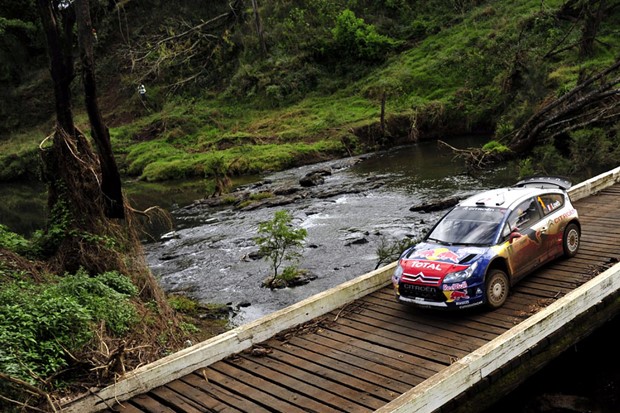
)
(456, 295)
(438, 254)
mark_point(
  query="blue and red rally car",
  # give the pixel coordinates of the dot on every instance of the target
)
(487, 243)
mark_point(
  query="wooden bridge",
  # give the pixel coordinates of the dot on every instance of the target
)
(355, 349)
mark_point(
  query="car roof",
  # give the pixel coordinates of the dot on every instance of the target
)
(503, 197)
(545, 182)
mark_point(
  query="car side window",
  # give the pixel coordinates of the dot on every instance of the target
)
(525, 215)
(550, 202)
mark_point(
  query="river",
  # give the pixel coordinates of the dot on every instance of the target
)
(361, 205)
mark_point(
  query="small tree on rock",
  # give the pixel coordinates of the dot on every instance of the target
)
(280, 242)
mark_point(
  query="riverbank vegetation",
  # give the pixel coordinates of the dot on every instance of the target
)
(232, 90)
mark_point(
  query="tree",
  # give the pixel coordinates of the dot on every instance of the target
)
(85, 240)
(259, 28)
(60, 48)
(279, 242)
(84, 188)
(593, 103)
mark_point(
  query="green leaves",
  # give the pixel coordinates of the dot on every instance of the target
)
(280, 242)
(356, 39)
(36, 324)
(40, 324)
(12, 241)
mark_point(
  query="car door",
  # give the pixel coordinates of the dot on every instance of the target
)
(526, 231)
(551, 205)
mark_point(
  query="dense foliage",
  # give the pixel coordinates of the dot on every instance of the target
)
(41, 325)
(310, 84)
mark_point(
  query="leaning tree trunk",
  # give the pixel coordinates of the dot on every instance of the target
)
(593, 102)
(110, 177)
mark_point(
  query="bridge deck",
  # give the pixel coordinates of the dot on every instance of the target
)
(369, 352)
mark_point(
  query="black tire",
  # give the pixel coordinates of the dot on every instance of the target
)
(571, 240)
(497, 288)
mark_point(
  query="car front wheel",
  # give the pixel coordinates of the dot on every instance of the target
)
(571, 240)
(497, 287)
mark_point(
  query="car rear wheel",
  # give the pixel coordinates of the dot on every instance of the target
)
(497, 288)
(571, 240)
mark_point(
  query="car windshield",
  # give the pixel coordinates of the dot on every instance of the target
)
(469, 226)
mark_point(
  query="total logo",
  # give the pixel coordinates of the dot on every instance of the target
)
(425, 264)
(438, 254)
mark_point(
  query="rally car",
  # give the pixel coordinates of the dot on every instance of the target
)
(488, 242)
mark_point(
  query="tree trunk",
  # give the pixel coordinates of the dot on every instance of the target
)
(61, 62)
(591, 24)
(259, 28)
(595, 101)
(383, 98)
(110, 177)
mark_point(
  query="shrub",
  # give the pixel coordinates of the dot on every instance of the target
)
(37, 324)
(102, 300)
(12, 241)
(279, 242)
(355, 38)
(389, 250)
(41, 324)
(495, 147)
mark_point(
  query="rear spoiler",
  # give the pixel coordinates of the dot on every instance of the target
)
(545, 182)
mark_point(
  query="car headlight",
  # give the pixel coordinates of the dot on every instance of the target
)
(398, 272)
(460, 276)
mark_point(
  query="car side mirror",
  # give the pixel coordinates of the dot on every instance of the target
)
(514, 235)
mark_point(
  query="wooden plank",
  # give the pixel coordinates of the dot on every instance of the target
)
(369, 372)
(175, 400)
(124, 407)
(398, 359)
(386, 366)
(469, 319)
(299, 402)
(343, 377)
(404, 345)
(305, 384)
(400, 334)
(216, 388)
(324, 379)
(437, 326)
(594, 184)
(150, 405)
(230, 379)
(202, 398)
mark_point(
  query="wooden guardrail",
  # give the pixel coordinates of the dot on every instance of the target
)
(593, 185)
(433, 393)
(425, 397)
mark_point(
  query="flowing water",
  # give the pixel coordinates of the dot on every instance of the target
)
(358, 207)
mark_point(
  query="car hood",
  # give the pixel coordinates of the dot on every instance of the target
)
(452, 254)
(437, 260)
